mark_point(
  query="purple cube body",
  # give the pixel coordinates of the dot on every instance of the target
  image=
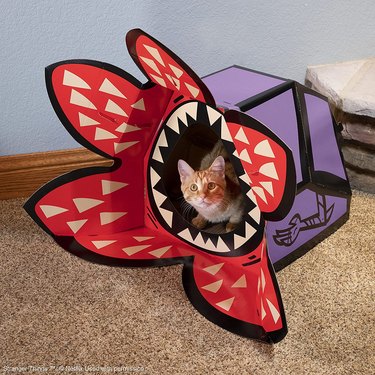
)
(301, 118)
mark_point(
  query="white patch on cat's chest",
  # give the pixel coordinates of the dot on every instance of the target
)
(214, 214)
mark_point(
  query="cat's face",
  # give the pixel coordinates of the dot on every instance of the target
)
(205, 189)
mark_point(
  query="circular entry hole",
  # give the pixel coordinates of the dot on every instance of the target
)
(196, 142)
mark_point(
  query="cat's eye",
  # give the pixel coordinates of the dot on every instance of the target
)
(211, 185)
(193, 187)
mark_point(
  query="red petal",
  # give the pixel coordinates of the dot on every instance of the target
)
(107, 202)
(238, 293)
(268, 164)
(105, 111)
(164, 68)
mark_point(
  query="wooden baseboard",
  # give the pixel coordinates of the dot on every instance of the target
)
(21, 175)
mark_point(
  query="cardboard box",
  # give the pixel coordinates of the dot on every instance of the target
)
(302, 119)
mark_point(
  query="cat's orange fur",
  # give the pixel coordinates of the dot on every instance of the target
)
(213, 190)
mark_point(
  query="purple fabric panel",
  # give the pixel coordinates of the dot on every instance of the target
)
(234, 85)
(279, 114)
(305, 205)
(326, 154)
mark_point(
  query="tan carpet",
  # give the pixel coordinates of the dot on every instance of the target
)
(58, 310)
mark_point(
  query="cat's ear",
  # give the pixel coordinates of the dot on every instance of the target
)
(184, 170)
(218, 165)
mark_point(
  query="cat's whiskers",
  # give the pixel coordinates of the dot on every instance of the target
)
(187, 209)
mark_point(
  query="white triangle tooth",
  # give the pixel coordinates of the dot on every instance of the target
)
(182, 117)
(50, 211)
(131, 250)
(102, 134)
(186, 235)
(109, 186)
(167, 215)
(99, 244)
(268, 186)
(159, 80)
(110, 217)
(226, 304)
(263, 148)
(151, 63)
(239, 240)
(73, 80)
(159, 197)
(213, 115)
(194, 91)
(221, 246)
(269, 170)
(86, 120)
(240, 283)
(155, 178)
(126, 128)
(192, 109)
(241, 136)
(177, 71)
(250, 231)
(225, 133)
(210, 246)
(157, 155)
(260, 193)
(109, 88)
(255, 214)
(76, 225)
(140, 104)
(119, 147)
(143, 238)
(245, 178)
(162, 141)
(79, 99)
(252, 197)
(274, 312)
(84, 204)
(244, 155)
(258, 285)
(213, 269)
(154, 52)
(113, 107)
(199, 240)
(173, 122)
(213, 287)
(158, 253)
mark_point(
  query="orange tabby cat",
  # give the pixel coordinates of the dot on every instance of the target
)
(213, 190)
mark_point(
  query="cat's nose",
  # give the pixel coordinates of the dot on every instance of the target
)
(200, 199)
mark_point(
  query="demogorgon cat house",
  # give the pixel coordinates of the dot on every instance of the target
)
(129, 214)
